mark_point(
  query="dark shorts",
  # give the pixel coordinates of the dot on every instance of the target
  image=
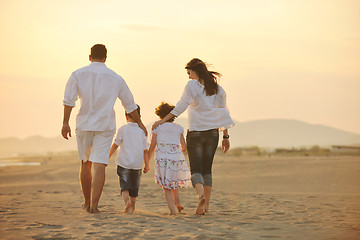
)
(201, 146)
(129, 180)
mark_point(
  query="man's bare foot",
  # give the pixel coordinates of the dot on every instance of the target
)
(94, 210)
(200, 206)
(179, 207)
(128, 207)
(86, 207)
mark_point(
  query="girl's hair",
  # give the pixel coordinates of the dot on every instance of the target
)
(164, 109)
(210, 78)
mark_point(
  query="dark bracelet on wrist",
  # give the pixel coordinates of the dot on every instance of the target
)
(226, 136)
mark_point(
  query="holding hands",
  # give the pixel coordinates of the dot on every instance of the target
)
(146, 168)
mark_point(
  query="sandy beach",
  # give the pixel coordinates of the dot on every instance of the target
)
(254, 197)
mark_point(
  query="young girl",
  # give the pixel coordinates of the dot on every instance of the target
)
(171, 169)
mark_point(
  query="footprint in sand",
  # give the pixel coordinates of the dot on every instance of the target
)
(44, 226)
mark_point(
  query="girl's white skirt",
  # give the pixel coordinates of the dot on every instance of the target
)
(171, 169)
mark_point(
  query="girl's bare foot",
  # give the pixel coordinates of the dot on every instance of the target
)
(200, 206)
(86, 207)
(179, 207)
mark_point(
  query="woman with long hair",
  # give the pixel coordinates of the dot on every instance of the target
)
(207, 115)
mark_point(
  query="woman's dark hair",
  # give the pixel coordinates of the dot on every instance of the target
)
(164, 109)
(98, 51)
(209, 77)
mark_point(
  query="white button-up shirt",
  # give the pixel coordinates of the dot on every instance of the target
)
(205, 112)
(98, 87)
(133, 142)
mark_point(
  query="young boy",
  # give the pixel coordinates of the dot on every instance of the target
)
(133, 151)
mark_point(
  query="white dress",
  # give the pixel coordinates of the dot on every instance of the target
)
(171, 168)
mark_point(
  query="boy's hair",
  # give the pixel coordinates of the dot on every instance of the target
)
(164, 109)
(138, 110)
(98, 51)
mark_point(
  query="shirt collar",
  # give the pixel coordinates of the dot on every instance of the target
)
(97, 63)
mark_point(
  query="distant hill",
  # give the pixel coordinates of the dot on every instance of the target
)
(35, 144)
(272, 133)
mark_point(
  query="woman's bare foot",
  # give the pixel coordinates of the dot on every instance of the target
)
(86, 207)
(200, 206)
(179, 207)
(128, 207)
(172, 212)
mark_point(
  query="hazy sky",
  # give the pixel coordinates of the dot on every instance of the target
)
(279, 59)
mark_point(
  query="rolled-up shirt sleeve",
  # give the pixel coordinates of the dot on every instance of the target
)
(222, 99)
(186, 99)
(71, 91)
(126, 97)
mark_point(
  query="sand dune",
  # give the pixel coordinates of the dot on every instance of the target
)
(253, 198)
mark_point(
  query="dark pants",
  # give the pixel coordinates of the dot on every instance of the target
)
(129, 180)
(201, 146)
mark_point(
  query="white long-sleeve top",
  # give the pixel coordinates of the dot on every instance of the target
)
(98, 87)
(205, 112)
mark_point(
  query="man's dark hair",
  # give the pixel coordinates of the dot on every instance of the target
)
(98, 51)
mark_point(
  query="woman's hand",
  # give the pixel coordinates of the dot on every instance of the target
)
(146, 168)
(225, 145)
(156, 124)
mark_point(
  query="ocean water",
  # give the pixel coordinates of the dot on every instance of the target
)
(7, 163)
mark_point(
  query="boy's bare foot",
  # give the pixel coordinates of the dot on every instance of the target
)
(86, 207)
(128, 207)
(206, 208)
(200, 207)
(132, 210)
(179, 207)
(94, 210)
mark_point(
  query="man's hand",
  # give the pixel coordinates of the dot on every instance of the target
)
(65, 131)
(143, 128)
(225, 145)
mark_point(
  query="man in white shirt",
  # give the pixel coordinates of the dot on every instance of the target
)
(98, 87)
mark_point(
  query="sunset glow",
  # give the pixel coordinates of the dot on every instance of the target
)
(279, 59)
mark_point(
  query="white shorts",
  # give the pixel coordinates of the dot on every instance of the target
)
(94, 146)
